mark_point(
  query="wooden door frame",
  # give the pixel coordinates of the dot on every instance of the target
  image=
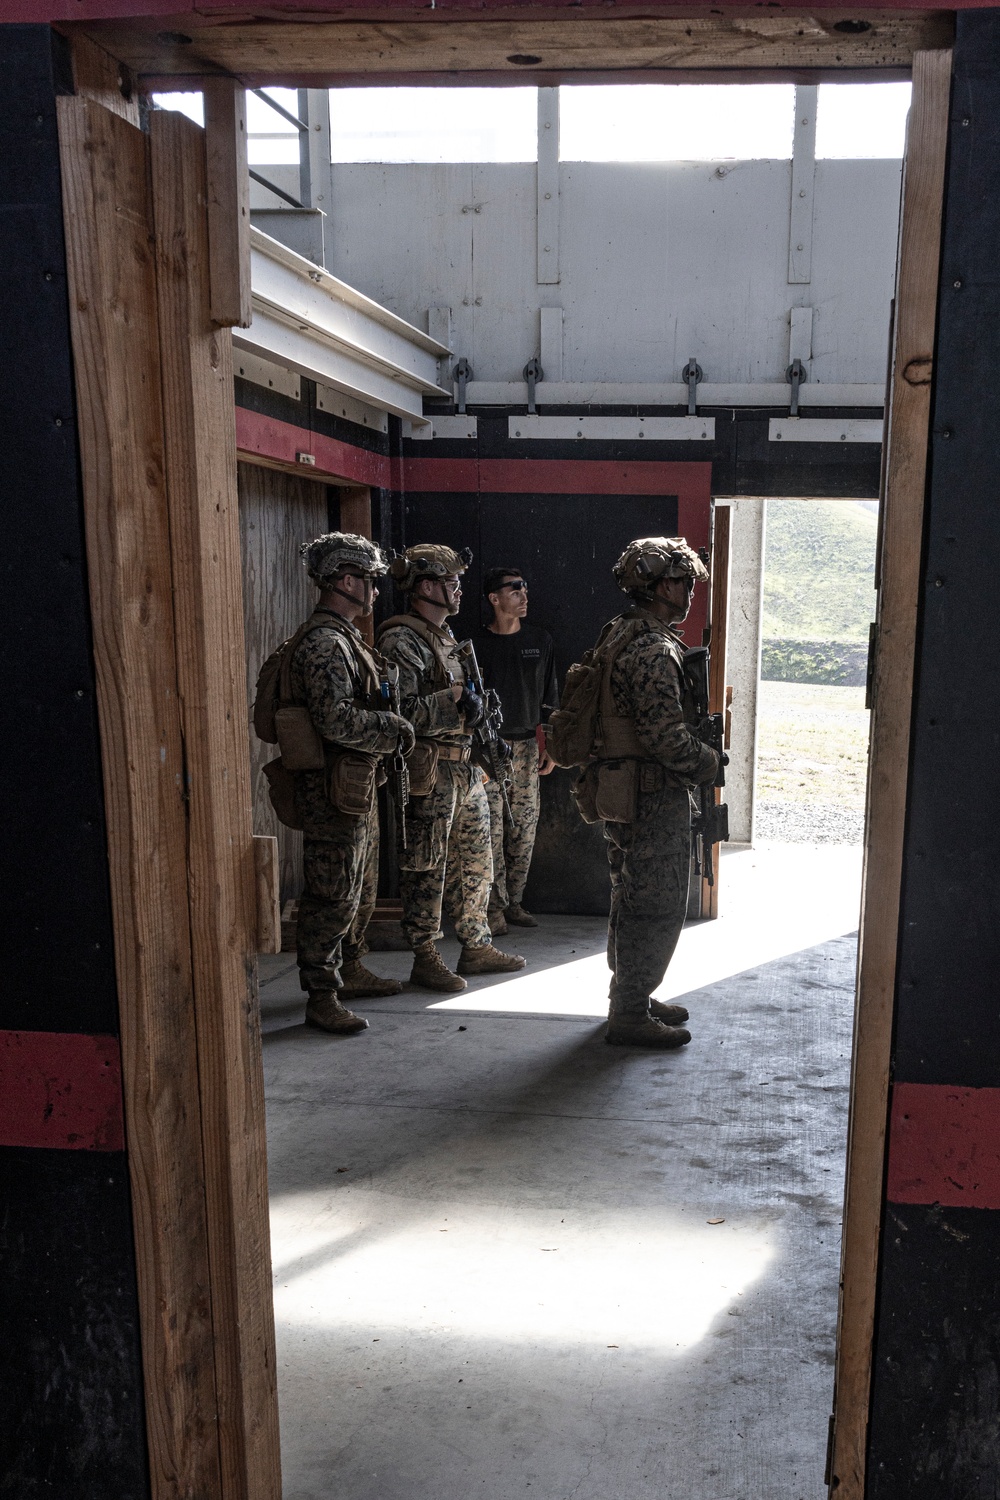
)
(220, 1436)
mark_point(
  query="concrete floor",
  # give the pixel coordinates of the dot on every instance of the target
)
(509, 1257)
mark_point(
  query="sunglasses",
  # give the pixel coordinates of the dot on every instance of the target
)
(515, 585)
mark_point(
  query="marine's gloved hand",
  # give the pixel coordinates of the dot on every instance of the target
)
(472, 707)
(505, 751)
(404, 729)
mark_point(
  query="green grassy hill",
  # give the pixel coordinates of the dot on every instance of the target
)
(819, 570)
(819, 595)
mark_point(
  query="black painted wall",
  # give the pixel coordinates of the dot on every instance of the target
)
(70, 1375)
(936, 1403)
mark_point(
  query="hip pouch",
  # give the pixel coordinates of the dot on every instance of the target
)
(281, 791)
(422, 764)
(617, 791)
(351, 783)
(300, 745)
(584, 794)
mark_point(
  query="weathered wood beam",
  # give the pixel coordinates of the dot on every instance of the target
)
(113, 309)
(527, 50)
(228, 202)
(200, 453)
(899, 591)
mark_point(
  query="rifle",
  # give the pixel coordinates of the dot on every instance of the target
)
(489, 749)
(399, 771)
(712, 823)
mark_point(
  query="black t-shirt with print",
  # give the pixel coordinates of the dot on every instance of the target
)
(521, 667)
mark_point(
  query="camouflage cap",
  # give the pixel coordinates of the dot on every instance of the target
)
(427, 560)
(649, 559)
(326, 555)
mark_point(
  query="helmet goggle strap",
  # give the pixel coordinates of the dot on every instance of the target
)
(369, 583)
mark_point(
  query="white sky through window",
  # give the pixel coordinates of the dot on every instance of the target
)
(675, 122)
(856, 120)
(434, 124)
(598, 122)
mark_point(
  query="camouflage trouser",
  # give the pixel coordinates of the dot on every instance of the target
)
(512, 847)
(453, 820)
(650, 865)
(341, 873)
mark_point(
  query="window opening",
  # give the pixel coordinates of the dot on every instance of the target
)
(858, 120)
(676, 122)
(434, 125)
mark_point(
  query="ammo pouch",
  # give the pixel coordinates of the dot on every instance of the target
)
(281, 791)
(300, 745)
(351, 783)
(584, 794)
(617, 796)
(422, 764)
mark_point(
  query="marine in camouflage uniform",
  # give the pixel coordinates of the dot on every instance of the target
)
(334, 672)
(451, 816)
(650, 853)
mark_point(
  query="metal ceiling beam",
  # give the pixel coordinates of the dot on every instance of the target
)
(309, 321)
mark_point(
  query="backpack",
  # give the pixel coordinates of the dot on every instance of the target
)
(572, 732)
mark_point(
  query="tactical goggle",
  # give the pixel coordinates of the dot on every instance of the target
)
(515, 585)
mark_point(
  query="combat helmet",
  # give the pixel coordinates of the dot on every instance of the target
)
(649, 559)
(326, 555)
(427, 560)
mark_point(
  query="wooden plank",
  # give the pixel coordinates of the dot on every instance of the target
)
(327, 51)
(200, 452)
(719, 617)
(112, 297)
(356, 516)
(277, 513)
(100, 77)
(266, 868)
(905, 485)
(228, 202)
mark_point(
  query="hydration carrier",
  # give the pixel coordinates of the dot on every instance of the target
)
(585, 727)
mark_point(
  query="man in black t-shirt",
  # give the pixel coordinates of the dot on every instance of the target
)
(517, 660)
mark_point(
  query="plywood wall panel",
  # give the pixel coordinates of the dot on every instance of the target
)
(277, 513)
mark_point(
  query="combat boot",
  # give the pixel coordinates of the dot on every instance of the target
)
(670, 1015)
(643, 1030)
(488, 960)
(431, 972)
(498, 924)
(360, 983)
(518, 917)
(325, 1010)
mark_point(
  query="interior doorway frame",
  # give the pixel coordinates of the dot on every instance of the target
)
(191, 1060)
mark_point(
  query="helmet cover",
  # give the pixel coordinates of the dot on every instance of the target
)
(649, 559)
(326, 555)
(427, 560)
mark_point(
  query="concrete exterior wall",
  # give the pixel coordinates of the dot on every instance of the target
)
(743, 660)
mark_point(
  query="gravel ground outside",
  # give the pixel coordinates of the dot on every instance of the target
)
(812, 749)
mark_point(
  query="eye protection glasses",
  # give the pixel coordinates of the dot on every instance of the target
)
(516, 585)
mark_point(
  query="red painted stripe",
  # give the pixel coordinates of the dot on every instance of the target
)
(944, 1146)
(60, 1089)
(555, 476)
(266, 437)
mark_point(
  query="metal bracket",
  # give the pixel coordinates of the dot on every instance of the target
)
(796, 375)
(463, 374)
(691, 374)
(533, 373)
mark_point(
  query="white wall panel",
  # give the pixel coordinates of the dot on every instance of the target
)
(657, 262)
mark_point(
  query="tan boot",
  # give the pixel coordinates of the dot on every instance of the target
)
(644, 1031)
(431, 972)
(488, 960)
(325, 1010)
(498, 924)
(518, 917)
(670, 1015)
(360, 983)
